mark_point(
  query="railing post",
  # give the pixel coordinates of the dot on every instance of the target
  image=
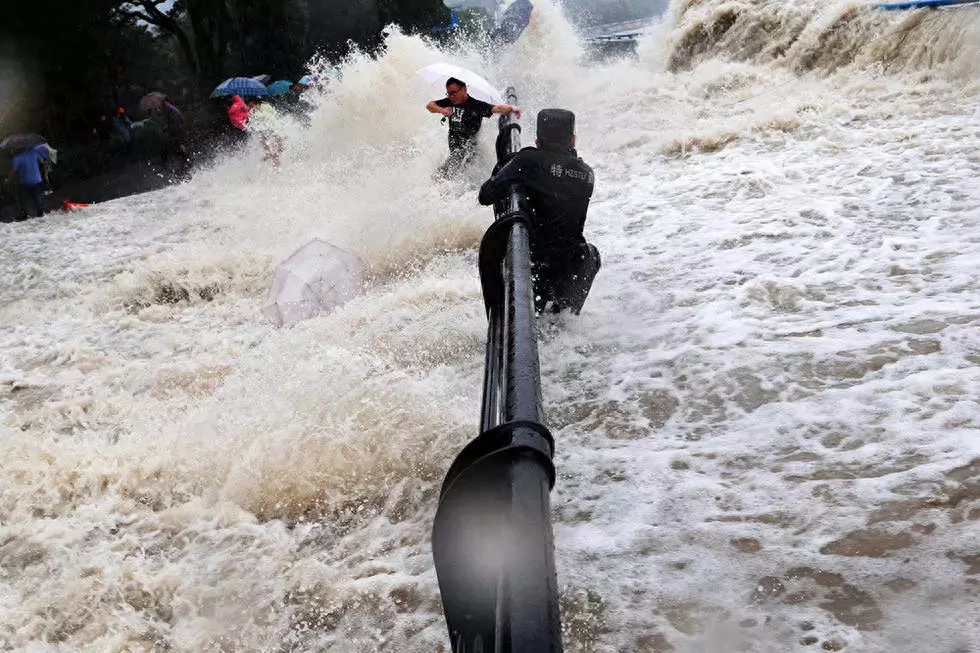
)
(492, 539)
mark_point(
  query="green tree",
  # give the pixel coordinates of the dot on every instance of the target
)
(334, 24)
(419, 16)
(86, 56)
(270, 35)
(148, 11)
(201, 28)
(72, 46)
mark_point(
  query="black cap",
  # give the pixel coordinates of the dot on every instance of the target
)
(556, 127)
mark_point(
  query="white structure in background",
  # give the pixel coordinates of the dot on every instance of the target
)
(491, 6)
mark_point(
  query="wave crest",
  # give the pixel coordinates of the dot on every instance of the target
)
(815, 37)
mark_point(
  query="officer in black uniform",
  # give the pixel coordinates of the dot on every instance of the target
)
(558, 185)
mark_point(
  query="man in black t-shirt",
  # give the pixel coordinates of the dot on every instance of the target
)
(465, 115)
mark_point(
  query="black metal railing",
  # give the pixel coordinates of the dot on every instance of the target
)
(492, 539)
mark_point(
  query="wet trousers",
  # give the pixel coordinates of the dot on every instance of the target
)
(460, 156)
(32, 194)
(564, 279)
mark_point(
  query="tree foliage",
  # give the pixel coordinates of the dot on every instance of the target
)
(91, 55)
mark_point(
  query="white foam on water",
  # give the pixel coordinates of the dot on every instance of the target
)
(766, 417)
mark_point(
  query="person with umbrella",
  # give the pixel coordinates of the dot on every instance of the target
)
(297, 105)
(122, 133)
(173, 118)
(263, 119)
(174, 125)
(238, 112)
(465, 115)
(27, 165)
(238, 115)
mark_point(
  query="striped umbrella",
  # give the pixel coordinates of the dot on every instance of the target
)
(244, 86)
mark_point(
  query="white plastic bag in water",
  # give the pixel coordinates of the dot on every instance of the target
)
(316, 279)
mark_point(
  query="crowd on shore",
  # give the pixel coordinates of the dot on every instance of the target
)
(117, 155)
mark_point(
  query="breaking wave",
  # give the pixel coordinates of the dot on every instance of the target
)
(823, 37)
(765, 416)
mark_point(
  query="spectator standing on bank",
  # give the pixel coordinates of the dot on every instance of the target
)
(27, 166)
(175, 132)
(122, 132)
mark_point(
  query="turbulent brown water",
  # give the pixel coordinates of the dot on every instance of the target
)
(767, 417)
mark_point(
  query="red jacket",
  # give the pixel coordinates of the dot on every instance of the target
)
(238, 113)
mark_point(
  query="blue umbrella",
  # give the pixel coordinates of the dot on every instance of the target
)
(244, 86)
(280, 88)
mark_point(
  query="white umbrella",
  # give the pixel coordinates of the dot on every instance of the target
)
(476, 86)
(316, 279)
(52, 154)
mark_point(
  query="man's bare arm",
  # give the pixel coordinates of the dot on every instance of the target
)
(507, 108)
(435, 108)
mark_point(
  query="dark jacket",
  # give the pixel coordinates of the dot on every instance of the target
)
(559, 185)
(173, 121)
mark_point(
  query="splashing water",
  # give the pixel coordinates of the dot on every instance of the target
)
(766, 417)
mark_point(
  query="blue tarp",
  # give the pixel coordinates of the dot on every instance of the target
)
(453, 24)
(920, 4)
(513, 22)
